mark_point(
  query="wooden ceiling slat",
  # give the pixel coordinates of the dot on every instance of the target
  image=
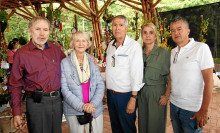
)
(28, 18)
(29, 13)
(84, 2)
(80, 7)
(136, 8)
(12, 12)
(104, 8)
(29, 2)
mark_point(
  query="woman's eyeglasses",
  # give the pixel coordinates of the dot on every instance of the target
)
(175, 58)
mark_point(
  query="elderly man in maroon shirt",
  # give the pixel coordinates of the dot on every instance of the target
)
(36, 69)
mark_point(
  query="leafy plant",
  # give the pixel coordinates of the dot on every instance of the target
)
(3, 16)
(4, 96)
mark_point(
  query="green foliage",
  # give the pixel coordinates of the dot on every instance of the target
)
(168, 5)
(217, 60)
(3, 16)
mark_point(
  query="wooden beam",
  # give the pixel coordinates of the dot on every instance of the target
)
(104, 8)
(81, 8)
(79, 13)
(32, 15)
(84, 2)
(32, 7)
(20, 10)
(136, 8)
(134, 2)
(28, 18)
(5, 7)
(155, 4)
(88, 13)
(12, 12)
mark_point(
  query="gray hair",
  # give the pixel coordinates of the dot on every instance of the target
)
(74, 36)
(31, 22)
(178, 18)
(122, 17)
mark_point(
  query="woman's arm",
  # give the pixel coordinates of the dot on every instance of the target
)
(68, 96)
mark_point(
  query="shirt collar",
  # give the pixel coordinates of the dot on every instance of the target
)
(32, 46)
(123, 44)
(188, 45)
(154, 50)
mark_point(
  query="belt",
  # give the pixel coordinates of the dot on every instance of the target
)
(115, 92)
(47, 94)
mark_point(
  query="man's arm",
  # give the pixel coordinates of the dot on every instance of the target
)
(136, 68)
(15, 86)
(202, 114)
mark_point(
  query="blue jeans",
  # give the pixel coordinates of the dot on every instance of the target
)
(181, 122)
(121, 122)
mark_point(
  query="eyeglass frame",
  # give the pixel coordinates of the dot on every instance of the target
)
(175, 57)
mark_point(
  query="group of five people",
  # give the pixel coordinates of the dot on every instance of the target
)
(135, 77)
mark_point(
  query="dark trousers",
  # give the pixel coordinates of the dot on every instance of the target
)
(44, 117)
(121, 122)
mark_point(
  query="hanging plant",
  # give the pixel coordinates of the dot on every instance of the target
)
(3, 21)
(3, 17)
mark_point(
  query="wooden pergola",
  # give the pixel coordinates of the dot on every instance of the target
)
(87, 9)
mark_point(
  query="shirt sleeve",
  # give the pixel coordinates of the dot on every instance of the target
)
(205, 57)
(15, 85)
(166, 63)
(136, 63)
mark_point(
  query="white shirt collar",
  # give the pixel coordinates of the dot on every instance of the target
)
(188, 45)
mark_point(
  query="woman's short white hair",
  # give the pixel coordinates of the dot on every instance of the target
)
(84, 34)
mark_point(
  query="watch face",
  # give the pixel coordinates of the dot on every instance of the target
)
(134, 96)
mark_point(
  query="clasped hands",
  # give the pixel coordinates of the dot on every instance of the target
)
(163, 100)
(19, 122)
(89, 108)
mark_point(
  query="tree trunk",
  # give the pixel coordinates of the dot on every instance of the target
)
(215, 39)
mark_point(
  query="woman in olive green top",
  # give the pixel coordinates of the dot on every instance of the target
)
(151, 113)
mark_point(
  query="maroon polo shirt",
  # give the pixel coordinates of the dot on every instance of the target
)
(32, 69)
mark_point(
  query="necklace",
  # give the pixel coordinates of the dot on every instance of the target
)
(81, 66)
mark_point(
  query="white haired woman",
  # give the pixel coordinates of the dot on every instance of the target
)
(82, 87)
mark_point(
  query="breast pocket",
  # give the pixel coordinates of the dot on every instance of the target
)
(122, 61)
(152, 71)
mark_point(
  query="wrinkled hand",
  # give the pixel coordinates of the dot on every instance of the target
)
(163, 100)
(89, 108)
(201, 117)
(131, 106)
(19, 122)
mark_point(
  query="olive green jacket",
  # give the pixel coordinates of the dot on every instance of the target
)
(156, 66)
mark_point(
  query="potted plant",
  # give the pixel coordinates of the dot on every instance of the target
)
(3, 20)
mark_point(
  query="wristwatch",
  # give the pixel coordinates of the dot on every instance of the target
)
(134, 96)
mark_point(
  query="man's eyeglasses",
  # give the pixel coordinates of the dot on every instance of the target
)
(113, 60)
(175, 58)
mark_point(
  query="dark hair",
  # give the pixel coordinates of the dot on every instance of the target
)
(15, 39)
(11, 45)
(178, 18)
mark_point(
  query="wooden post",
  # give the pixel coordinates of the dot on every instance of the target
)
(136, 24)
(200, 29)
(97, 28)
(76, 25)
